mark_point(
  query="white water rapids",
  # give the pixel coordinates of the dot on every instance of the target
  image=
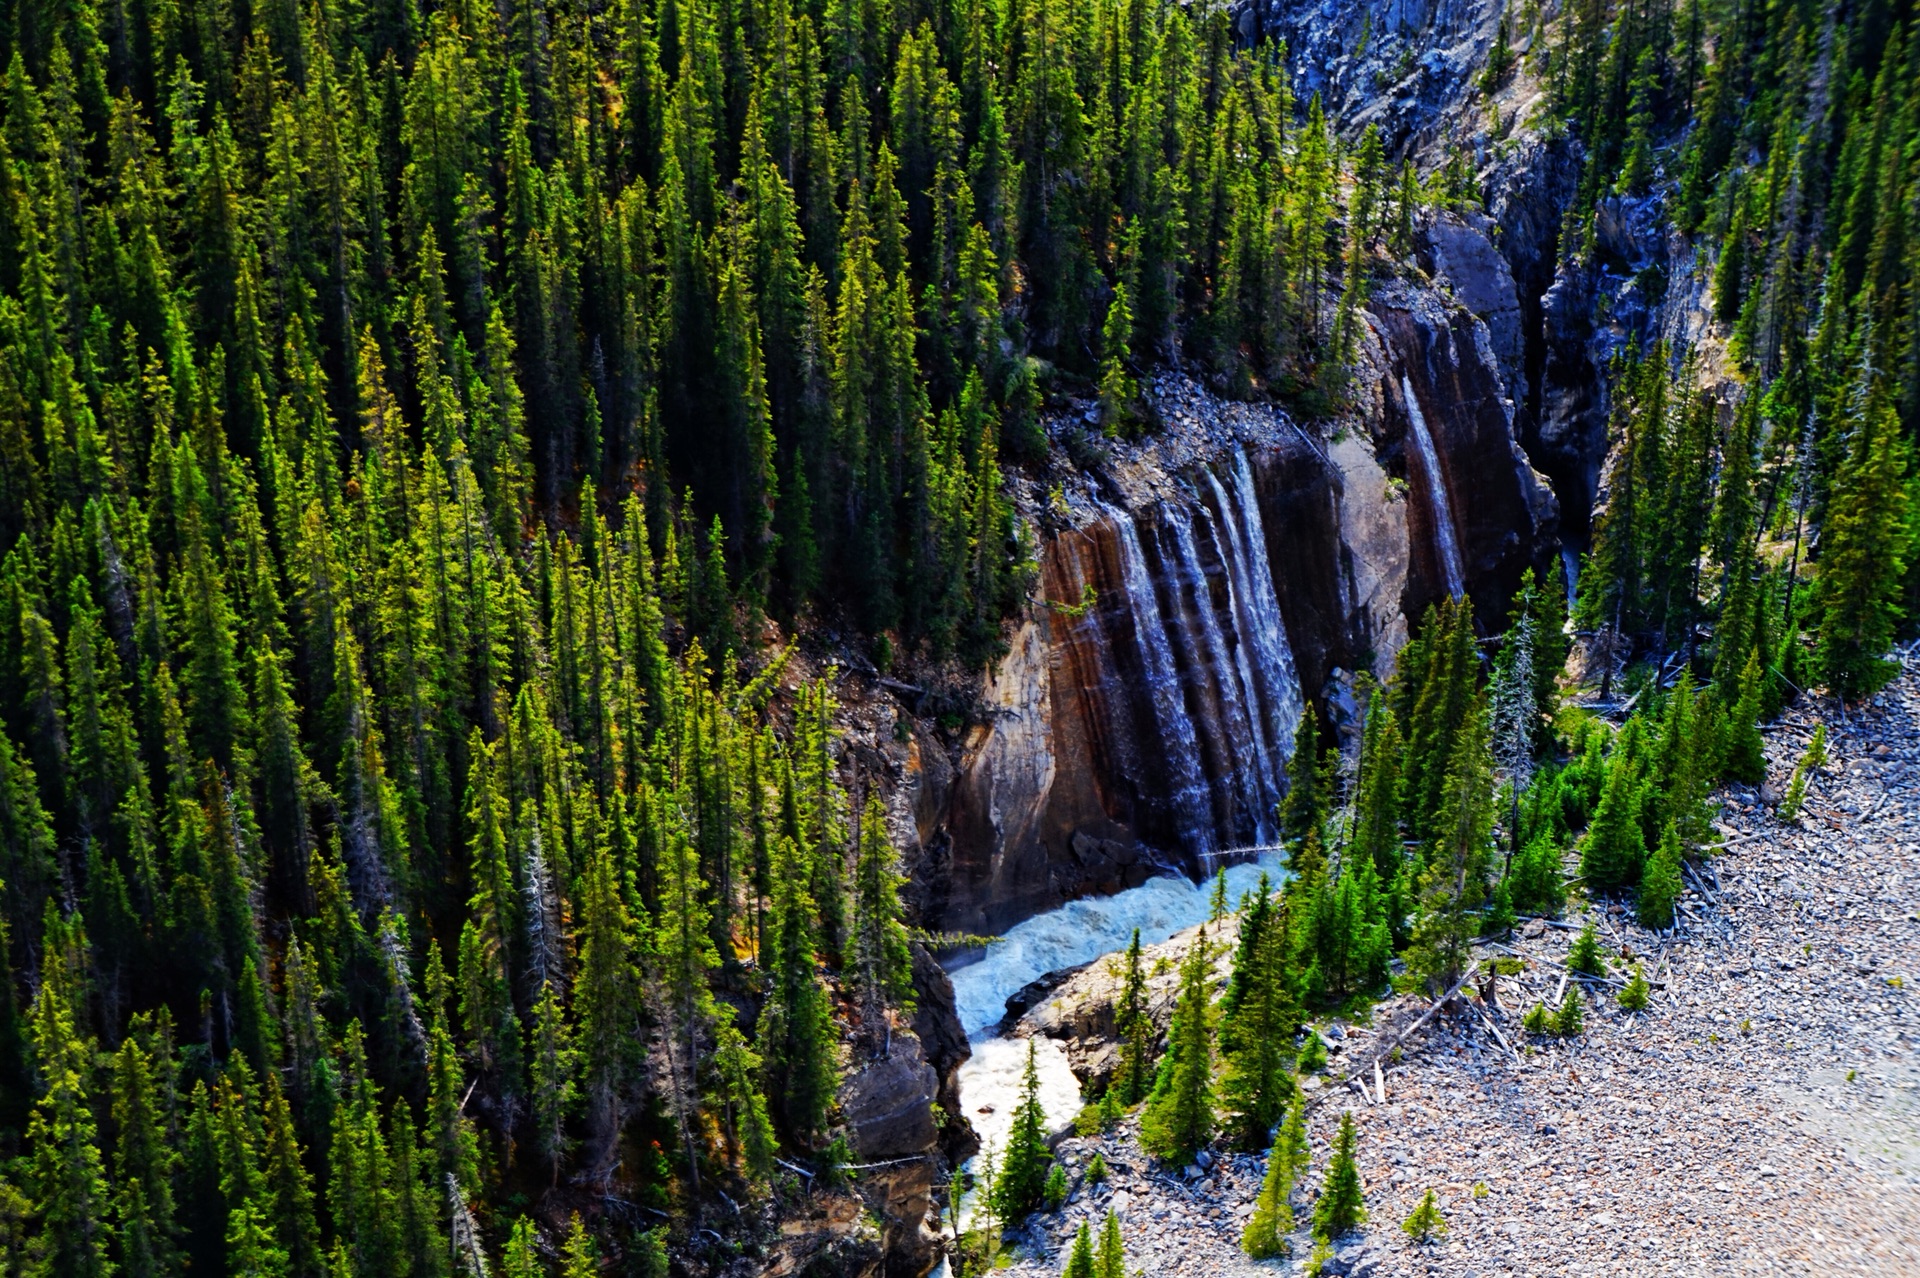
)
(1075, 933)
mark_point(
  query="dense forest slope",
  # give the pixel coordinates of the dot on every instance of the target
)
(451, 456)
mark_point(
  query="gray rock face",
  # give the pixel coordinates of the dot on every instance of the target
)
(888, 1104)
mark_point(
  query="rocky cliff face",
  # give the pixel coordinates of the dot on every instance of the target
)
(1197, 592)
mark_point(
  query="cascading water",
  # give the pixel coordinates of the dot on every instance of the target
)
(1260, 622)
(1437, 500)
(1208, 718)
(1267, 760)
(1179, 744)
(1237, 781)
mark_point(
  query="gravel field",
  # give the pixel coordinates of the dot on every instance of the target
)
(1762, 1116)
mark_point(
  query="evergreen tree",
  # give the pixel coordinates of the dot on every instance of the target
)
(1342, 1206)
(1455, 884)
(1867, 542)
(1135, 1030)
(883, 962)
(1584, 956)
(1660, 884)
(1111, 1261)
(1022, 1176)
(1080, 1261)
(1267, 1227)
(1425, 1221)
(1179, 1119)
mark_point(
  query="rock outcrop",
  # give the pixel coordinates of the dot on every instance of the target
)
(1194, 588)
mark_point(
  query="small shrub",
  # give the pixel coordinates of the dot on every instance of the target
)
(1634, 997)
(1426, 1220)
(1812, 761)
(1055, 1192)
(1585, 957)
(1313, 1054)
(1572, 1017)
(1538, 1020)
(1097, 1169)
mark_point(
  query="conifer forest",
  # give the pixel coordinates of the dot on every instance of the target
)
(516, 521)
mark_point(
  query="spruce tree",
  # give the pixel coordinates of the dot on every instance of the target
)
(1614, 848)
(1584, 956)
(1425, 1221)
(1022, 1177)
(883, 962)
(1267, 1227)
(1454, 884)
(1080, 1261)
(1179, 1119)
(1571, 1017)
(1134, 1029)
(1111, 1260)
(1660, 885)
(1867, 543)
(1342, 1206)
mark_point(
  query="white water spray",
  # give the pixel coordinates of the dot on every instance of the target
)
(1179, 744)
(1437, 499)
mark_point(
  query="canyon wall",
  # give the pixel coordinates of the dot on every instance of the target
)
(1199, 591)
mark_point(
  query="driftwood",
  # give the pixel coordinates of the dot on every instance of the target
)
(1382, 1050)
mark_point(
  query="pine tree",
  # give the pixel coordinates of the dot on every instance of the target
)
(1570, 1019)
(1265, 1234)
(551, 1068)
(1304, 810)
(1258, 1016)
(64, 1173)
(1111, 1262)
(1342, 1206)
(1660, 884)
(1022, 1177)
(1867, 542)
(1179, 1119)
(1135, 1030)
(883, 961)
(1425, 1221)
(1613, 850)
(1080, 1261)
(1118, 391)
(1454, 884)
(1634, 995)
(1584, 956)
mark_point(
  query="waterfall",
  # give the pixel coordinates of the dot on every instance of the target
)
(1179, 745)
(1230, 739)
(1262, 624)
(1437, 499)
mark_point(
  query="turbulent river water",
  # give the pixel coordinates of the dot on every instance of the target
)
(1075, 933)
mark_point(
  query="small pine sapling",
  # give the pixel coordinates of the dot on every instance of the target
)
(1097, 1169)
(1426, 1220)
(1585, 957)
(1054, 1192)
(1814, 759)
(1538, 1020)
(1313, 1054)
(1634, 997)
(1572, 1016)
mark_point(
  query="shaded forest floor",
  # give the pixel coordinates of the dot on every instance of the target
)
(1762, 1116)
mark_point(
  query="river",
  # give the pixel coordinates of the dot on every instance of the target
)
(1075, 933)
